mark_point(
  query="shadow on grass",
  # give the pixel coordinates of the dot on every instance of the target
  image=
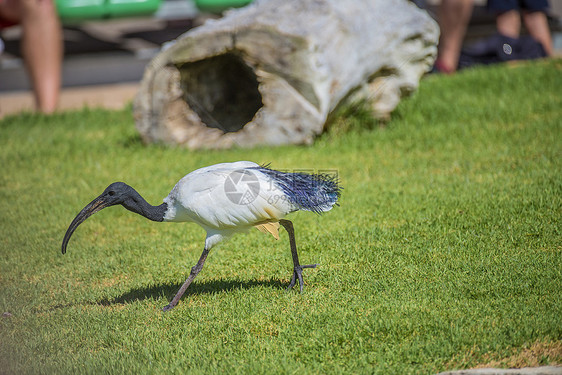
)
(168, 291)
(206, 287)
(132, 141)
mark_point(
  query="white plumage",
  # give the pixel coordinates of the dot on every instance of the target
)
(200, 197)
(225, 199)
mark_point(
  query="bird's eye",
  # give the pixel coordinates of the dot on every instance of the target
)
(112, 193)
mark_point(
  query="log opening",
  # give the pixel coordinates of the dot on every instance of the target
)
(222, 90)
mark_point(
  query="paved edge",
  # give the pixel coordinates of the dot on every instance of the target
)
(544, 370)
(113, 96)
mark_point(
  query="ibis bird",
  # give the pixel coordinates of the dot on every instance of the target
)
(225, 199)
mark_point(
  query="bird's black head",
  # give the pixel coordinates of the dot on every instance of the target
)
(116, 193)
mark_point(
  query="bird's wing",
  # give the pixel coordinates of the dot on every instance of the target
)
(227, 196)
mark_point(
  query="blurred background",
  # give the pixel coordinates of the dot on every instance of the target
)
(107, 48)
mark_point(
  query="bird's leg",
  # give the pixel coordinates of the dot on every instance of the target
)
(194, 271)
(297, 270)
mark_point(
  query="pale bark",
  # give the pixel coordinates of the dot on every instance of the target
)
(271, 73)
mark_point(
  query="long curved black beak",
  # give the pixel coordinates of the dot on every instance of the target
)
(93, 207)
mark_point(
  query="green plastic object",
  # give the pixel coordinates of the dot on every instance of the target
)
(75, 10)
(217, 6)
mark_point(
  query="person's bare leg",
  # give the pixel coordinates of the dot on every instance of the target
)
(454, 16)
(537, 25)
(509, 23)
(42, 50)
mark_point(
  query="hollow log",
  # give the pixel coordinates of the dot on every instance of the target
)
(271, 73)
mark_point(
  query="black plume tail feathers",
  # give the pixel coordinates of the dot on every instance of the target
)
(317, 192)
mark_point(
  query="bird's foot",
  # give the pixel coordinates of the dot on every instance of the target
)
(297, 275)
(168, 307)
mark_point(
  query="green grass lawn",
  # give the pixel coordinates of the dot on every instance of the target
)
(446, 251)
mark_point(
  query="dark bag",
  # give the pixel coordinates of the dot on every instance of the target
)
(501, 48)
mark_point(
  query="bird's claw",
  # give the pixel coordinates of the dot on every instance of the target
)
(297, 274)
(168, 307)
